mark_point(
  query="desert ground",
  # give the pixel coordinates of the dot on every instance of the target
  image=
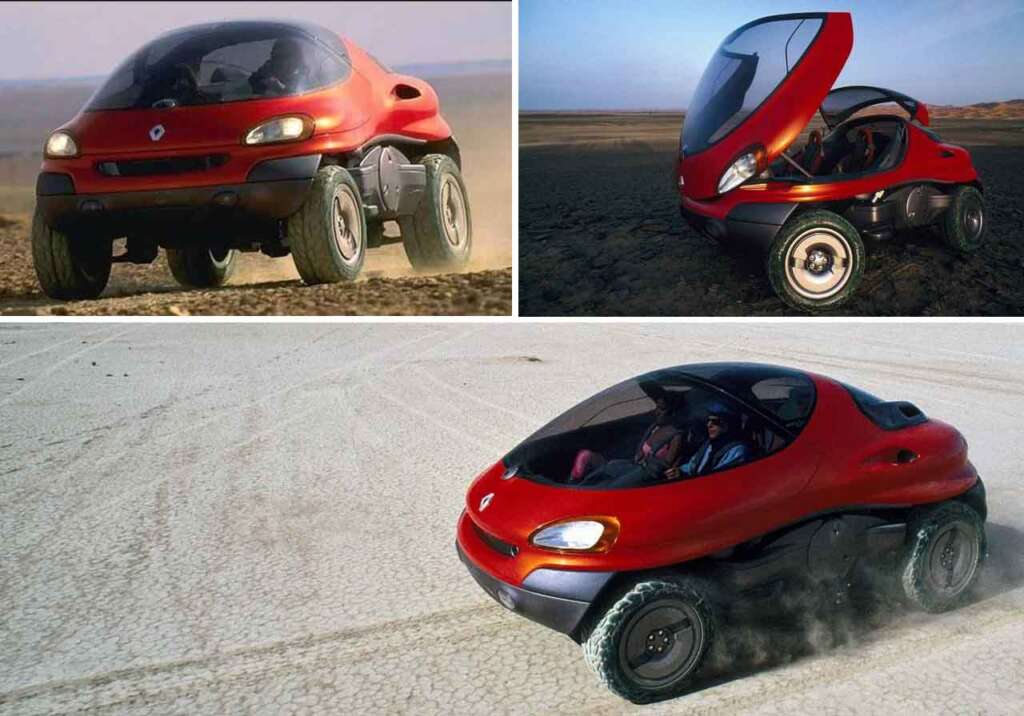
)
(479, 109)
(600, 230)
(220, 519)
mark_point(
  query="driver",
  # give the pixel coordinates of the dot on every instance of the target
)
(722, 449)
(284, 72)
(658, 448)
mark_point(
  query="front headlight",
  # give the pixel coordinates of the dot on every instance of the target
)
(280, 129)
(587, 535)
(61, 145)
(741, 170)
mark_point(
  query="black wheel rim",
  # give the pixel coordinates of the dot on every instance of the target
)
(952, 559)
(973, 219)
(661, 643)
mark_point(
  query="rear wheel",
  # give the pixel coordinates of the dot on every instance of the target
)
(327, 236)
(963, 225)
(439, 235)
(69, 267)
(653, 639)
(816, 262)
(945, 549)
(202, 266)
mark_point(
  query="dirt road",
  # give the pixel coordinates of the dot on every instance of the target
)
(212, 519)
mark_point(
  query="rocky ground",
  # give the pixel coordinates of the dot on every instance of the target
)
(600, 233)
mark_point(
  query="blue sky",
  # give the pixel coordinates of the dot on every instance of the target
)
(649, 54)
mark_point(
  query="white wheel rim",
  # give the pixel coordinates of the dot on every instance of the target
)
(222, 263)
(818, 263)
(453, 212)
(345, 226)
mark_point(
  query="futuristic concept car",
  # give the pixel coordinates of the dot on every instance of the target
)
(636, 520)
(884, 170)
(242, 136)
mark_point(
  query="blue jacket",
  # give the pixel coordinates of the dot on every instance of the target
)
(732, 453)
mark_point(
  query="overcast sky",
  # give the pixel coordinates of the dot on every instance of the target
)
(649, 54)
(75, 39)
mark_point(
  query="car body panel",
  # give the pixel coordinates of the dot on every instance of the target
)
(841, 460)
(780, 118)
(347, 115)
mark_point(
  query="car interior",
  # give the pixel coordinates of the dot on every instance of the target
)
(859, 146)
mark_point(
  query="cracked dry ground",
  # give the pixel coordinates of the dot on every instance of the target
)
(262, 286)
(260, 519)
(600, 234)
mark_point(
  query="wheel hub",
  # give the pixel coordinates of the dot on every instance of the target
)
(659, 641)
(954, 558)
(453, 212)
(974, 220)
(818, 263)
(345, 225)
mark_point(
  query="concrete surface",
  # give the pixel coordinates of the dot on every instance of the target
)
(225, 518)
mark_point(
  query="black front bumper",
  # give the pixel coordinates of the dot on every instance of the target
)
(558, 599)
(754, 224)
(274, 189)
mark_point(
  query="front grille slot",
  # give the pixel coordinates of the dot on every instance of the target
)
(504, 548)
(160, 165)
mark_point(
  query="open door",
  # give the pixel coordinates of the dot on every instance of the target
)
(843, 102)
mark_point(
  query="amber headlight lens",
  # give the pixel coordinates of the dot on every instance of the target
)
(592, 534)
(280, 129)
(61, 145)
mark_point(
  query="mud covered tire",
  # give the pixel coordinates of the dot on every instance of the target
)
(963, 225)
(69, 268)
(945, 550)
(201, 266)
(612, 638)
(327, 236)
(816, 261)
(439, 235)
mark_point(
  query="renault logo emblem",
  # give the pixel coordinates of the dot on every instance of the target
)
(486, 501)
(157, 132)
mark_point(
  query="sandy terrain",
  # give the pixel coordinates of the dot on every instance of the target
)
(215, 519)
(478, 107)
(600, 231)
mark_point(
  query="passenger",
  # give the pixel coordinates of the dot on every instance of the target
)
(657, 450)
(284, 72)
(723, 448)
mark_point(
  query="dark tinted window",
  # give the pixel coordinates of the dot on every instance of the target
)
(743, 72)
(888, 415)
(221, 63)
(841, 104)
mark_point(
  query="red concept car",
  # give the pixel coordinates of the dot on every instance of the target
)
(241, 136)
(741, 177)
(636, 520)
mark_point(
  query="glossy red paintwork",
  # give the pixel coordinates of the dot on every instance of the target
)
(924, 159)
(840, 460)
(346, 116)
(782, 116)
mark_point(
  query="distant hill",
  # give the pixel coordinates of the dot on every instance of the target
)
(1009, 109)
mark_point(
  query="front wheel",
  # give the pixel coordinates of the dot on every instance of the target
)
(327, 236)
(653, 639)
(816, 262)
(963, 225)
(69, 267)
(202, 266)
(439, 235)
(945, 550)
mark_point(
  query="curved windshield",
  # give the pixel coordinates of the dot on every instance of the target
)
(744, 71)
(212, 64)
(667, 425)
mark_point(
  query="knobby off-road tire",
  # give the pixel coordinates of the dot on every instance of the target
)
(963, 226)
(672, 613)
(327, 236)
(201, 266)
(439, 235)
(69, 267)
(946, 548)
(817, 261)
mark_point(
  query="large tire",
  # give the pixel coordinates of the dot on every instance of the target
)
(439, 235)
(201, 266)
(945, 550)
(963, 225)
(623, 645)
(69, 268)
(327, 236)
(816, 261)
